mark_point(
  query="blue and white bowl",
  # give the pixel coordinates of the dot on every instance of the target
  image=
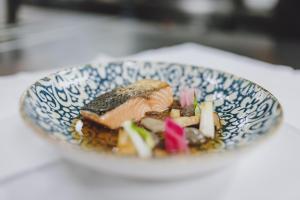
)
(250, 113)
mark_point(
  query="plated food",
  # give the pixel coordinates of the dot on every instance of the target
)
(146, 120)
(152, 120)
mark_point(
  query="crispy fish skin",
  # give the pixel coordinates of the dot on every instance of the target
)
(136, 99)
(118, 96)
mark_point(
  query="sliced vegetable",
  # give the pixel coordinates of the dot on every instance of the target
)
(187, 97)
(196, 106)
(207, 119)
(154, 125)
(141, 146)
(175, 141)
(145, 135)
(187, 121)
(175, 113)
(197, 111)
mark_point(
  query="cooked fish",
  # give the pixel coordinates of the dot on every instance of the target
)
(126, 103)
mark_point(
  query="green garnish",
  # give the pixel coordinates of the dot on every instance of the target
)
(141, 146)
(196, 107)
(146, 135)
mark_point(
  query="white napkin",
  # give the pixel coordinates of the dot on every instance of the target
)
(21, 151)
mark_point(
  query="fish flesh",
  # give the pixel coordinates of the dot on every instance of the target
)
(129, 103)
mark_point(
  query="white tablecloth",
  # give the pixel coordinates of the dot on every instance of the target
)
(30, 169)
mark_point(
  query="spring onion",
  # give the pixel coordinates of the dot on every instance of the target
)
(147, 137)
(196, 107)
(141, 146)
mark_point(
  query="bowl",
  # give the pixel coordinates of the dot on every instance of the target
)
(250, 113)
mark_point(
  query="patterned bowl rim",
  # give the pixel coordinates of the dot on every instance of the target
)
(69, 148)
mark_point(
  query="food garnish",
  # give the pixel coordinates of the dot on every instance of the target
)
(175, 113)
(154, 125)
(187, 97)
(142, 148)
(175, 141)
(207, 119)
(187, 121)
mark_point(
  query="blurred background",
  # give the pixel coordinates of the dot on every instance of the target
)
(41, 34)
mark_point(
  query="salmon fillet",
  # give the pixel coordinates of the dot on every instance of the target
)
(129, 103)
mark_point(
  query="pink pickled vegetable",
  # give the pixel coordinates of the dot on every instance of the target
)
(174, 137)
(187, 96)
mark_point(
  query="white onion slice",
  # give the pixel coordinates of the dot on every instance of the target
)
(207, 119)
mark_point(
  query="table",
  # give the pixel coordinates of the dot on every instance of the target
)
(31, 169)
